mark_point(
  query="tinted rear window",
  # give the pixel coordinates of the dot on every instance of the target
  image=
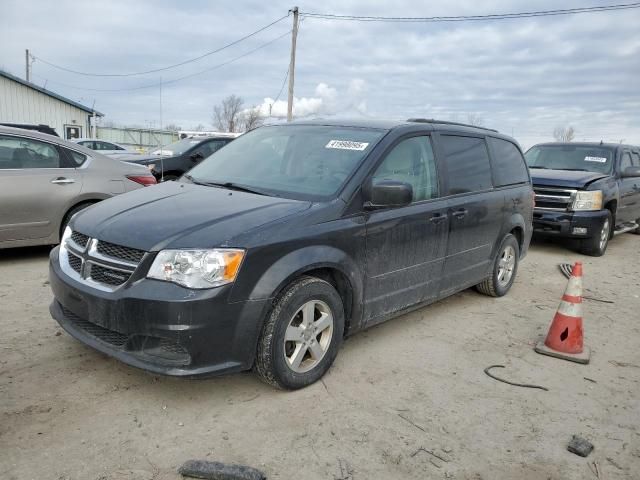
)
(467, 162)
(508, 163)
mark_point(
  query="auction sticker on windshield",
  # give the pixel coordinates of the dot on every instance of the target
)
(595, 159)
(346, 145)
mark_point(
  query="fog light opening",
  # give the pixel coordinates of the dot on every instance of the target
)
(579, 230)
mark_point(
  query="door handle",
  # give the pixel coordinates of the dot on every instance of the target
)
(63, 181)
(437, 218)
(461, 213)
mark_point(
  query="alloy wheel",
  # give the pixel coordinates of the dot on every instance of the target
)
(604, 235)
(506, 265)
(308, 336)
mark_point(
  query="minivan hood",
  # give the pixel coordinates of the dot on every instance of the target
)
(181, 215)
(564, 178)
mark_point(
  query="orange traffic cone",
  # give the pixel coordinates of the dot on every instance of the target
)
(565, 336)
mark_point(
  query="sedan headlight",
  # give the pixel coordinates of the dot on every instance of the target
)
(586, 201)
(197, 268)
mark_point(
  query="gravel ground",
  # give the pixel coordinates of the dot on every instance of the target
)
(407, 399)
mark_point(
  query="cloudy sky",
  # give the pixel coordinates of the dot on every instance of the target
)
(523, 77)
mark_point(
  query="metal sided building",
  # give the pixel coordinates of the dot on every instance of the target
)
(23, 102)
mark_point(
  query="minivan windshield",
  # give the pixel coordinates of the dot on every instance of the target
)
(570, 157)
(309, 162)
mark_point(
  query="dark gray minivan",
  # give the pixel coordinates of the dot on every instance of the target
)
(272, 250)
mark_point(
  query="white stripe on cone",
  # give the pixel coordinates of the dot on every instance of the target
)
(570, 309)
(574, 287)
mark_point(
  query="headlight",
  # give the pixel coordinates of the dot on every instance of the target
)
(197, 268)
(65, 237)
(591, 200)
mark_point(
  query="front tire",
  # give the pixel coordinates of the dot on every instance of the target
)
(504, 270)
(302, 335)
(597, 245)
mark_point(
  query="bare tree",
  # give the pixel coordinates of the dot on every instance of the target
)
(475, 120)
(226, 115)
(564, 134)
(172, 127)
(251, 118)
(198, 128)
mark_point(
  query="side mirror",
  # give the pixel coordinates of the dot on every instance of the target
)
(631, 172)
(388, 193)
(197, 156)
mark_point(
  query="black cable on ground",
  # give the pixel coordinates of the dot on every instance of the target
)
(525, 385)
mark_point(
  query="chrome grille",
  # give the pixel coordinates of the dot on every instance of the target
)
(558, 199)
(117, 251)
(80, 239)
(104, 265)
(75, 262)
(107, 276)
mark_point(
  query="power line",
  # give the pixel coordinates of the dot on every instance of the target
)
(235, 42)
(284, 82)
(154, 85)
(469, 18)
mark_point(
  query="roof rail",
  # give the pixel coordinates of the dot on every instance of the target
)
(433, 120)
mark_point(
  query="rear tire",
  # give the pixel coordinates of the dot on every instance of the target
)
(597, 245)
(169, 178)
(637, 230)
(504, 271)
(302, 335)
(71, 213)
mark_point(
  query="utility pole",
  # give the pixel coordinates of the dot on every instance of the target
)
(292, 64)
(27, 65)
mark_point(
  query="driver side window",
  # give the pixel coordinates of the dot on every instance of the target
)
(411, 161)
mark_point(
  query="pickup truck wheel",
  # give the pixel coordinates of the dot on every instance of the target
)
(637, 230)
(169, 178)
(302, 334)
(504, 269)
(597, 245)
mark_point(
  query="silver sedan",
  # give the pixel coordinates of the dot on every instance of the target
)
(45, 180)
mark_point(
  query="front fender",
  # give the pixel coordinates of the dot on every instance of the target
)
(296, 263)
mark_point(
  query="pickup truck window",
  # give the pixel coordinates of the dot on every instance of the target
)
(570, 157)
(625, 161)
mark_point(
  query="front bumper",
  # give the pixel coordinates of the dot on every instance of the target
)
(159, 326)
(563, 224)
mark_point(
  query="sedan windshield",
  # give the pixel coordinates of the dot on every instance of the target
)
(178, 148)
(570, 157)
(294, 161)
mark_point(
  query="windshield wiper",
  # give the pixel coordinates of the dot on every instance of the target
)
(575, 169)
(230, 186)
(542, 168)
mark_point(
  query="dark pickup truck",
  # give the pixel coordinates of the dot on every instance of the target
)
(585, 191)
